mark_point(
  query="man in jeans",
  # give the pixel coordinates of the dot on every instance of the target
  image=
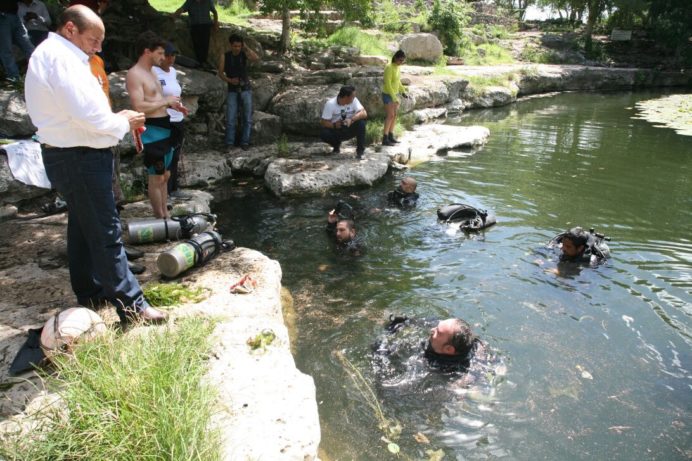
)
(343, 117)
(76, 128)
(233, 71)
(12, 31)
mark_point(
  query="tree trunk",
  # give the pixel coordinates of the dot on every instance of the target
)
(595, 10)
(285, 30)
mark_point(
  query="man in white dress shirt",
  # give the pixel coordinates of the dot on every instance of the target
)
(77, 128)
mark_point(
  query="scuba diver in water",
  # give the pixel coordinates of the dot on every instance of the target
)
(451, 345)
(578, 246)
(342, 227)
(405, 195)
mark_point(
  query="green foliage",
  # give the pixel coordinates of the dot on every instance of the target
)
(375, 126)
(282, 147)
(172, 294)
(539, 55)
(373, 44)
(133, 191)
(487, 54)
(448, 17)
(235, 13)
(671, 25)
(387, 16)
(491, 31)
(129, 397)
(480, 82)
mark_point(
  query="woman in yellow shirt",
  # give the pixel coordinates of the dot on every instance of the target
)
(392, 88)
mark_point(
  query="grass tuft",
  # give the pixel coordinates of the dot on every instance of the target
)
(130, 397)
(173, 294)
(370, 44)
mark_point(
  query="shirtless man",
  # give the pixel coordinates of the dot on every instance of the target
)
(146, 95)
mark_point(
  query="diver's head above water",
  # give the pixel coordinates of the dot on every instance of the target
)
(574, 243)
(451, 337)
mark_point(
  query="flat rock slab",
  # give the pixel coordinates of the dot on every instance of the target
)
(320, 173)
(426, 142)
(674, 111)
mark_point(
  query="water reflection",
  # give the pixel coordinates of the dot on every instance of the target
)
(597, 362)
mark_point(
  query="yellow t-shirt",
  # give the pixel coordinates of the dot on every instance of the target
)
(392, 81)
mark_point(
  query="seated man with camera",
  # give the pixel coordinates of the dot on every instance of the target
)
(343, 117)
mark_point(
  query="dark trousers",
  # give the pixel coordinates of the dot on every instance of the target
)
(97, 261)
(177, 138)
(200, 34)
(334, 136)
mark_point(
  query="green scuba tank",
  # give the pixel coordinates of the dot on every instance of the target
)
(176, 228)
(193, 253)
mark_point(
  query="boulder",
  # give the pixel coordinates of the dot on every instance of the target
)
(300, 108)
(490, 96)
(204, 168)
(11, 190)
(266, 128)
(253, 162)
(263, 90)
(423, 47)
(15, 120)
(428, 115)
(455, 107)
(316, 175)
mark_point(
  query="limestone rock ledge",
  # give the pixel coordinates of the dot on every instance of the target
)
(267, 408)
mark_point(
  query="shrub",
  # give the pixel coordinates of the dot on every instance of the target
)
(367, 43)
(448, 17)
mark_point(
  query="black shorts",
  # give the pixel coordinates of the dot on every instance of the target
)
(156, 139)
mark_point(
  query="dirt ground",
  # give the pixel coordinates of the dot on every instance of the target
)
(35, 284)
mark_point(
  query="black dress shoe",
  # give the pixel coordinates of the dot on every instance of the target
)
(136, 268)
(152, 315)
(132, 253)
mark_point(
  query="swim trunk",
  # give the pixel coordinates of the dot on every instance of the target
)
(386, 98)
(156, 139)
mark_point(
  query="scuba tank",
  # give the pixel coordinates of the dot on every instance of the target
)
(176, 228)
(471, 219)
(193, 253)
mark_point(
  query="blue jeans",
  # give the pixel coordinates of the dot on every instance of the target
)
(232, 116)
(12, 31)
(97, 261)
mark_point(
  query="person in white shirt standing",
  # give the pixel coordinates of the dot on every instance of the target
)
(36, 19)
(168, 77)
(77, 128)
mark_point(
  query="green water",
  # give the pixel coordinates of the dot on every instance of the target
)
(597, 360)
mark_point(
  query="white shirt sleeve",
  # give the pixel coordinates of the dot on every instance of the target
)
(328, 110)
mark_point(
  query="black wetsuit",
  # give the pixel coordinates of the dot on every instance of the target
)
(354, 247)
(402, 199)
(406, 342)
